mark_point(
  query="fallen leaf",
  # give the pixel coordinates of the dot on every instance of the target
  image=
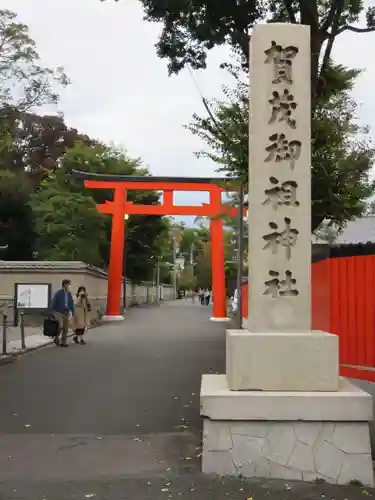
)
(187, 458)
(193, 393)
(27, 426)
(99, 438)
(90, 495)
(15, 414)
(164, 490)
(138, 425)
(149, 483)
(168, 469)
(176, 397)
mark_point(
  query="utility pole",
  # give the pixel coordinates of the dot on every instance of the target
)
(192, 249)
(158, 281)
(240, 253)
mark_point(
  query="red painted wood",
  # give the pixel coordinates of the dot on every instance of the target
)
(320, 296)
(119, 207)
(137, 209)
(352, 310)
(357, 373)
(116, 255)
(217, 255)
(153, 186)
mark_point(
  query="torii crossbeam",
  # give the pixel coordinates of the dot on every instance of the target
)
(117, 208)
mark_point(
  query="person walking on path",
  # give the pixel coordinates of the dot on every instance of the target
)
(63, 308)
(81, 316)
(207, 295)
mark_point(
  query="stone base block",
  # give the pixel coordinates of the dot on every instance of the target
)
(112, 318)
(349, 403)
(287, 435)
(282, 361)
(337, 452)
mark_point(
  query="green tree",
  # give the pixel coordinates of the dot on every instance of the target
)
(68, 226)
(79, 220)
(203, 268)
(193, 27)
(16, 219)
(24, 82)
(38, 144)
(342, 154)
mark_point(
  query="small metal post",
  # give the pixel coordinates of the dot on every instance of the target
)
(174, 275)
(158, 282)
(22, 327)
(5, 318)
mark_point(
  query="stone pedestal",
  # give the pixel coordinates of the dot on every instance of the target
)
(282, 361)
(287, 435)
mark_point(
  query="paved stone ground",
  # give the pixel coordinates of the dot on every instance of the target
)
(119, 418)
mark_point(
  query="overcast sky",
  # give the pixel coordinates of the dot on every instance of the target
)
(121, 91)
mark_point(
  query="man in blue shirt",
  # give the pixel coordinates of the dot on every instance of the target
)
(63, 307)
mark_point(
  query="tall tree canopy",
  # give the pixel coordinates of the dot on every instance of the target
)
(17, 230)
(24, 82)
(192, 27)
(342, 154)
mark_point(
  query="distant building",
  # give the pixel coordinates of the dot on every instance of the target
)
(360, 230)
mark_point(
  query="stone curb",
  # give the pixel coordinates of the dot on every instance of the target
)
(9, 358)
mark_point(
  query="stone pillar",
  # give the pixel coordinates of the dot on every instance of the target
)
(306, 422)
(280, 180)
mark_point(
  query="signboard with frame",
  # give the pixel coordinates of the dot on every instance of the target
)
(31, 297)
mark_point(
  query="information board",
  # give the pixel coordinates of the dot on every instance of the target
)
(33, 295)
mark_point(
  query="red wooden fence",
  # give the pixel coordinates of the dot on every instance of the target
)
(343, 302)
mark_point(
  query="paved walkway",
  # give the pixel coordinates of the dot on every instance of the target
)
(119, 418)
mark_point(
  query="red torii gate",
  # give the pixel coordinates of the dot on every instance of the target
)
(120, 206)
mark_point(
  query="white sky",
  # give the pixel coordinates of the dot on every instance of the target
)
(121, 91)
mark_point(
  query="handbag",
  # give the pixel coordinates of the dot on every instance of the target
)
(51, 327)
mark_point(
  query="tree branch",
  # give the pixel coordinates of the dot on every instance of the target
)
(355, 29)
(289, 9)
(330, 16)
(339, 5)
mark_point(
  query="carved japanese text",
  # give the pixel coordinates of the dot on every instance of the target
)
(280, 149)
(286, 238)
(281, 287)
(282, 59)
(281, 194)
(283, 105)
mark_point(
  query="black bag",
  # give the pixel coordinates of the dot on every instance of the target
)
(51, 327)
